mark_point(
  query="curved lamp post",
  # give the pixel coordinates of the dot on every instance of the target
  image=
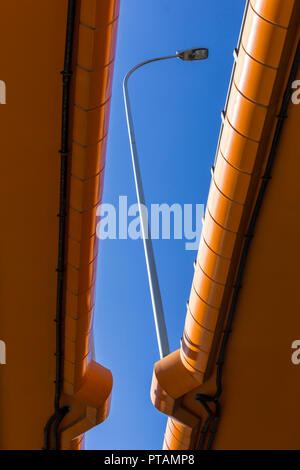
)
(159, 318)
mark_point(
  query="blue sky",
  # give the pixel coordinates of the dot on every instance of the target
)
(176, 107)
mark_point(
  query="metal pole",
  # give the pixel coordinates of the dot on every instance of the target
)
(158, 312)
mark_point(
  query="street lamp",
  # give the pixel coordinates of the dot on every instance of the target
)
(158, 312)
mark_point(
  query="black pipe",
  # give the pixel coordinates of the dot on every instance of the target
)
(212, 422)
(204, 399)
(60, 412)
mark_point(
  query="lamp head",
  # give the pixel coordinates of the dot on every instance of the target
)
(198, 53)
